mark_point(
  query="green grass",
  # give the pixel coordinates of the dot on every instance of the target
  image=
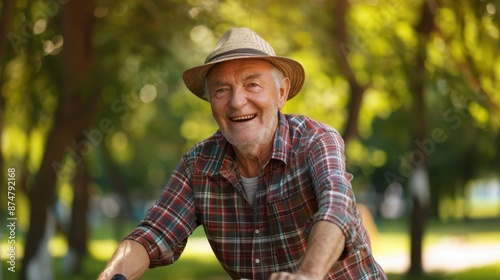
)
(184, 268)
(196, 263)
(190, 268)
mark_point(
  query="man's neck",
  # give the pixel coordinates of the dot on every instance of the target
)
(250, 160)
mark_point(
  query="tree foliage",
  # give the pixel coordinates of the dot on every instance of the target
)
(97, 85)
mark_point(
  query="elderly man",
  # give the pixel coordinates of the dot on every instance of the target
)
(270, 190)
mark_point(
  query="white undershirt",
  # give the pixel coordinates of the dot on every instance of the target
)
(250, 186)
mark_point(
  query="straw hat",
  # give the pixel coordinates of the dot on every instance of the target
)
(238, 43)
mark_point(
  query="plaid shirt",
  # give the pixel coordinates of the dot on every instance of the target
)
(305, 181)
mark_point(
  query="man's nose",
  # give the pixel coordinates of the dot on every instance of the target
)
(238, 97)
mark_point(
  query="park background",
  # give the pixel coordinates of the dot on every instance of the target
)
(95, 116)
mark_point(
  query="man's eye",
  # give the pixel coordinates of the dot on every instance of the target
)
(219, 90)
(253, 86)
(217, 93)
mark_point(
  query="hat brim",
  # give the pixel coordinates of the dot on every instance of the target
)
(194, 78)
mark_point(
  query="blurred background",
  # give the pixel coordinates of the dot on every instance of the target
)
(95, 116)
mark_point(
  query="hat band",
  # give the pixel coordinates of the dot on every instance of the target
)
(237, 52)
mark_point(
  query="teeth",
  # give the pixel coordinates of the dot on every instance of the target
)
(243, 118)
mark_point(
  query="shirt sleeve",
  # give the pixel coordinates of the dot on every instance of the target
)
(169, 222)
(332, 184)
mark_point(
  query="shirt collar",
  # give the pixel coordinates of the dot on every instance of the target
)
(223, 159)
(282, 148)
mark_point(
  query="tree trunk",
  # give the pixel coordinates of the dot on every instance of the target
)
(78, 231)
(41, 265)
(75, 112)
(343, 50)
(8, 10)
(420, 178)
(419, 185)
(42, 195)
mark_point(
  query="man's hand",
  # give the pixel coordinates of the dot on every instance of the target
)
(130, 260)
(325, 245)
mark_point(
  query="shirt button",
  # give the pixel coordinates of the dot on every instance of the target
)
(257, 231)
(257, 261)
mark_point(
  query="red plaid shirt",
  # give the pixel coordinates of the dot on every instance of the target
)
(305, 181)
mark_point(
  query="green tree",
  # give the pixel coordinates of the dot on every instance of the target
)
(92, 98)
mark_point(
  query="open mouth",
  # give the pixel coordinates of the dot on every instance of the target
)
(243, 118)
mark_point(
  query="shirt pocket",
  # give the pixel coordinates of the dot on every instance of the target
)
(287, 217)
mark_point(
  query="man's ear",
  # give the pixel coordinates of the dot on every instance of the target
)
(283, 94)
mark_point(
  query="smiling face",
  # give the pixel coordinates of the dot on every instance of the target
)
(245, 101)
